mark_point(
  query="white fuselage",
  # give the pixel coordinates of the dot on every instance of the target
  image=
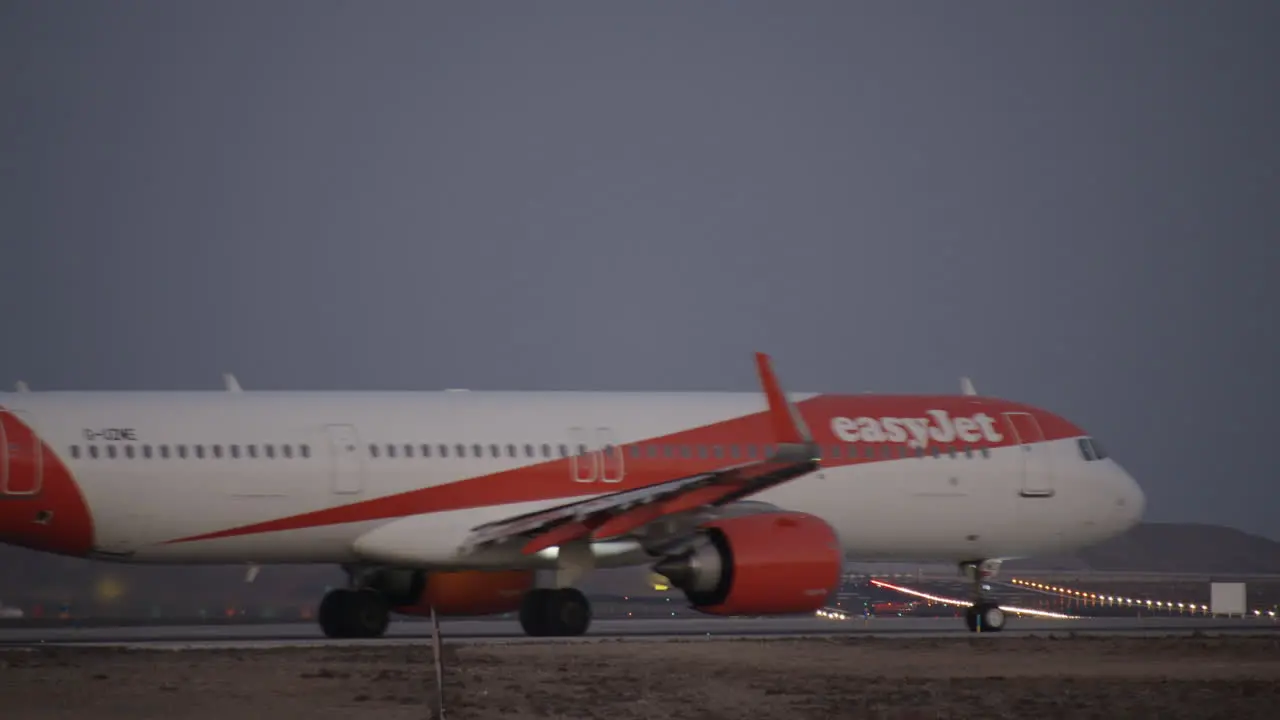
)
(157, 471)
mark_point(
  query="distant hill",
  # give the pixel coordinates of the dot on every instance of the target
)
(99, 588)
(1172, 548)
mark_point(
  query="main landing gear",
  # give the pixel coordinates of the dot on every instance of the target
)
(984, 615)
(354, 613)
(555, 612)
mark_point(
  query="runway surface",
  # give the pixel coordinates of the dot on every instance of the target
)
(505, 631)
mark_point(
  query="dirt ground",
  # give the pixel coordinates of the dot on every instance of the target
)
(982, 677)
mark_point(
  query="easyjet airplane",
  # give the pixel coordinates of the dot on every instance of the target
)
(749, 503)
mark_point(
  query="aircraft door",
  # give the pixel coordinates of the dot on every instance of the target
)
(583, 460)
(346, 462)
(1033, 457)
(21, 455)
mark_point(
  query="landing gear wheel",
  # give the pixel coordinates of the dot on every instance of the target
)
(533, 608)
(563, 612)
(984, 617)
(354, 614)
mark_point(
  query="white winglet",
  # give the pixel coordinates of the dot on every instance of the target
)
(230, 381)
(966, 386)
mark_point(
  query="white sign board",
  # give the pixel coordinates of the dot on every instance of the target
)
(1226, 598)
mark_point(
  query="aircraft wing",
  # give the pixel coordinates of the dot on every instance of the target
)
(628, 512)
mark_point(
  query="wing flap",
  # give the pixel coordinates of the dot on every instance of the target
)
(626, 512)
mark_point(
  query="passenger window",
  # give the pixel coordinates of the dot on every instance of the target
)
(391, 450)
(234, 450)
(164, 452)
(546, 450)
(564, 451)
(495, 451)
(128, 451)
(426, 450)
(306, 451)
(182, 452)
(476, 451)
(269, 450)
(373, 450)
(75, 452)
(444, 450)
(93, 451)
(199, 451)
(111, 451)
(986, 452)
(252, 449)
(217, 451)
(460, 450)
(528, 450)
(287, 450)
(511, 450)
(935, 452)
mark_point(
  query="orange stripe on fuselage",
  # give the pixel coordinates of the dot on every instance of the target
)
(548, 481)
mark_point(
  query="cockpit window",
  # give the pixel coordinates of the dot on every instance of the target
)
(1091, 449)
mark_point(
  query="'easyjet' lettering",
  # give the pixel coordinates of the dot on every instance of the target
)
(917, 432)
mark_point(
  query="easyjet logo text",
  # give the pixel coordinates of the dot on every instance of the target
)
(917, 432)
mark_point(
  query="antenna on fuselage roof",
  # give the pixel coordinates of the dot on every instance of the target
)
(966, 386)
(230, 381)
(21, 386)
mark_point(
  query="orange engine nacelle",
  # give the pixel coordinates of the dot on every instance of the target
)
(467, 592)
(767, 564)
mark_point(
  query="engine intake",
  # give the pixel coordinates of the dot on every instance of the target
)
(766, 564)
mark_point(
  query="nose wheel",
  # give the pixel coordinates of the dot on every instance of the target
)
(984, 615)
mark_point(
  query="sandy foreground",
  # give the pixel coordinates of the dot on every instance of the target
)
(984, 677)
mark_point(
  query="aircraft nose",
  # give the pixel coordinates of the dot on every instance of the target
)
(1132, 502)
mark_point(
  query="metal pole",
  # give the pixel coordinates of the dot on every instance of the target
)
(437, 698)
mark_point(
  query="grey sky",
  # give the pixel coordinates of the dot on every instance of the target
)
(1075, 203)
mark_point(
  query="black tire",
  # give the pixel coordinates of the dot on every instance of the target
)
(570, 612)
(333, 613)
(533, 611)
(564, 612)
(368, 614)
(348, 613)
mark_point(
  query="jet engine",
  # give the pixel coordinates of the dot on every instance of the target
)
(453, 593)
(767, 564)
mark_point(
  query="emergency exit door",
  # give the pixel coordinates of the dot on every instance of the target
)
(346, 461)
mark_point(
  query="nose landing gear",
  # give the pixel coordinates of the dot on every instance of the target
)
(984, 615)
